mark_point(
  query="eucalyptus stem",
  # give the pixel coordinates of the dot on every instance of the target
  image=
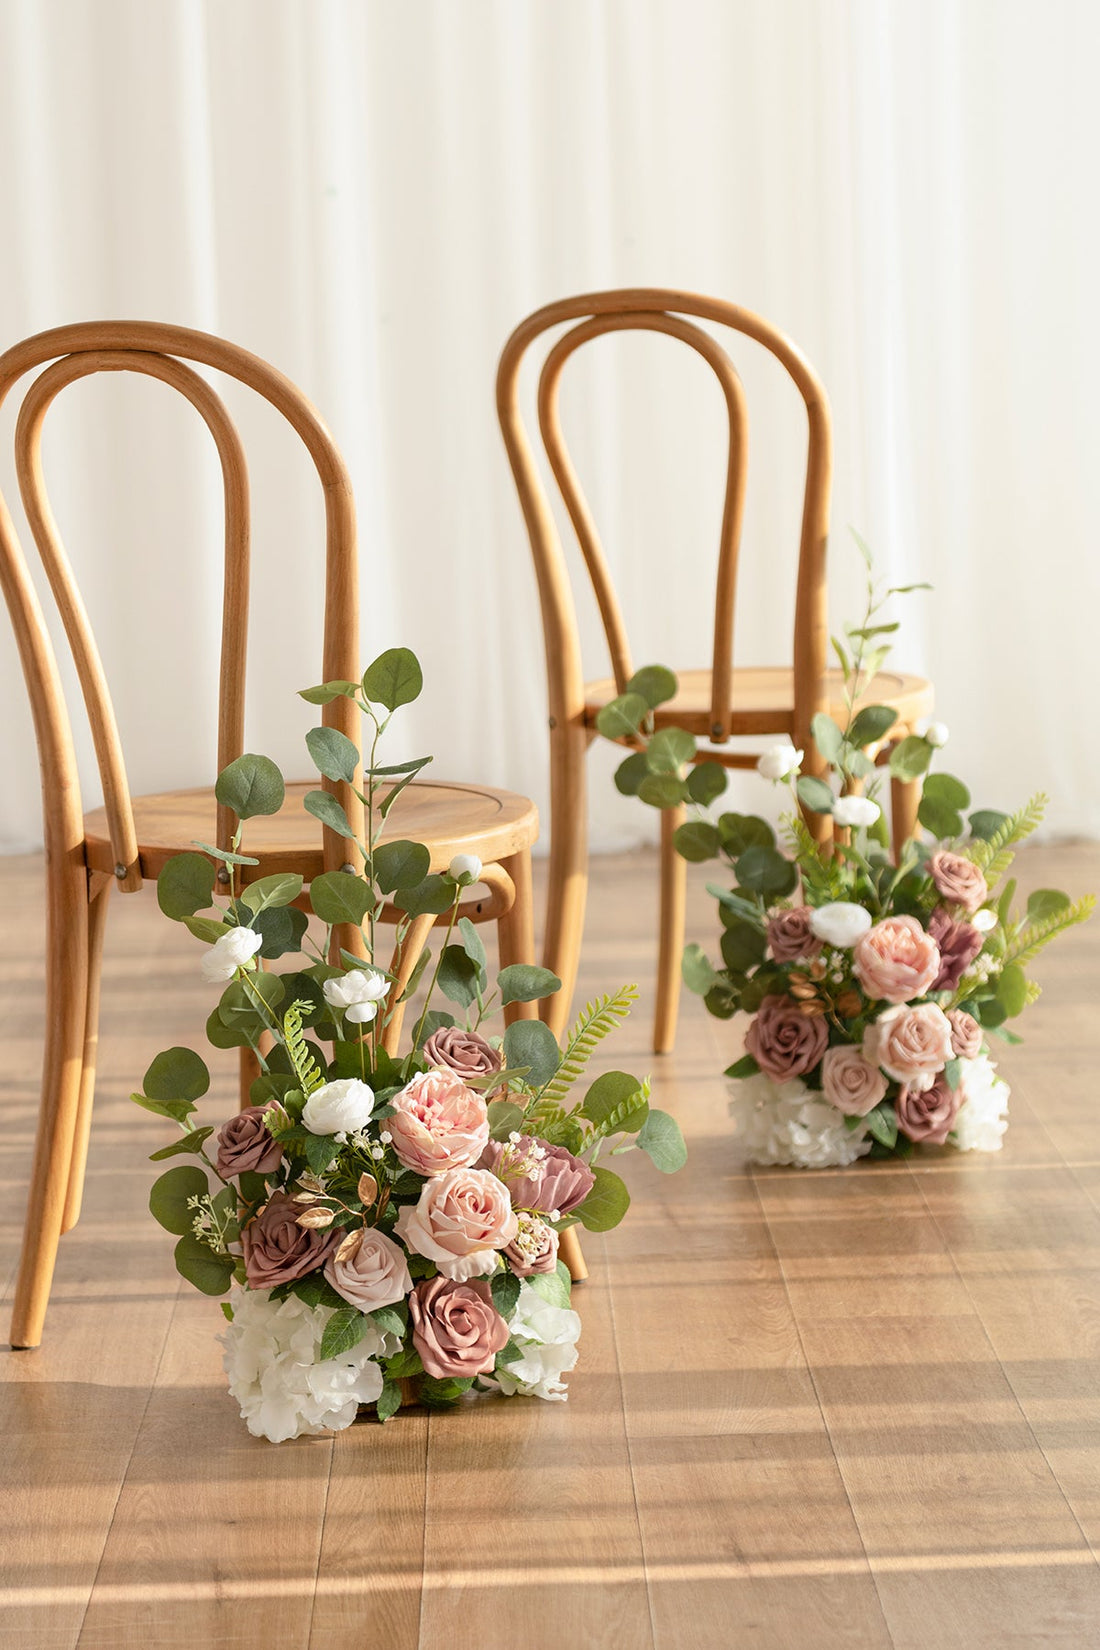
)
(438, 965)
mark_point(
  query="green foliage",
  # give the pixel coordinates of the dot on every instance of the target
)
(187, 1143)
(170, 1194)
(696, 970)
(251, 785)
(328, 691)
(389, 1400)
(326, 808)
(660, 1138)
(505, 1118)
(985, 823)
(334, 754)
(505, 1290)
(282, 929)
(400, 865)
(394, 679)
(606, 1203)
(185, 885)
(669, 750)
(266, 892)
(1044, 903)
(524, 983)
(211, 1274)
(623, 716)
(697, 841)
(745, 1067)
(593, 1024)
(706, 782)
(882, 1125)
(608, 1094)
(459, 977)
(654, 683)
(630, 773)
(994, 855)
(871, 724)
(177, 1074)
(532, 1044)
(766, 871)
(740, 832)
(827, 737)
(663, 790)
(344, 1329)
(815, 794)
(435, 894)
(910, 758)
(1038, 934)
(743, 947)
(306, 1070)
(554, 1287)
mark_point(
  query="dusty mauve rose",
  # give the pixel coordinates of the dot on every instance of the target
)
(966, 1034)
(371, 1272)
(896, 960)
(541, 1177)
(790, 935)
(534, 1248)
(245, 1146)
(456, 1328)
(958, 942)
(783, 1041)
(438, 1123)
(928, 1114)
(461, 1219)
(850, 1084)
(278, 1250)
(910, 1044)
(462, 1051)
(958, 880)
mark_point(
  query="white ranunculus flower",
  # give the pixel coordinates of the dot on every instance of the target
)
(778, 761)
(464, 868)
(790, 1124)
(339, 1108)
(358, 993)
(270, 1358)
(984, 920)
(234, 950)
(855, 810)
(983, 1115)
(840, 923)
(937, 734)
(548, 1335)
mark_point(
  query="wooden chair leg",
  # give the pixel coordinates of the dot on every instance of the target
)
(97, 924)
(569, 1250)
(405, 957)
(568, 880)
(671, 943)
(516, 929)
(67, 925)
(904, 801)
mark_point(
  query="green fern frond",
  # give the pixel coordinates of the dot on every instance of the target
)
(616, 1120)
(305, 1066)
(1035, 935)
(994, 857)
(543, 1115)
(592, 1026)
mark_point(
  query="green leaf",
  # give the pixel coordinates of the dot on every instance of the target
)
(210, 1273)
(326, 808)
(745, 1067)
(606, 1203)
(443, 1394)
(282, 888)
(882, 1125)
(391, 1320)
(389, 1400)
(741, 831)
(505, 1291)
(697, 841)
(1012, 991)
(400, 865)
(511, 1353)
(815, 794)
(340, 896)
(630, 773)
(459, 976)
(947, 789)
(532, 1044)
(177, 1074)
(766, 871)
(282, 929)
(178, 1110)
(656, 684)
(471, 944)
(192, 1142)
(239, 999)
(316, 1290)
(434, 1019)
(224, 855)
(623, 716)
(952, 1072)
(662, 790)
(205, 928)
(696, 970)
(344, 1329)
(334, 754)
(743, 947)
(1046, 902)
(435, 894)
(827, 736)
(251, 785)
(169, 1195)
(910, 758)
(394, 679)
(706, 782)
(504, 1119)
(524, 983)
(607, 1094)
(328, 691)
(939, 818)
(668, 751)
(722, 1001)
(660, 1138)
(406, 1363)
(554, 1286)
(986, 822)
(185, 885)
(872, 724)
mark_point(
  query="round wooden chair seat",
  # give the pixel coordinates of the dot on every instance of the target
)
(447, 818)
(763, 700)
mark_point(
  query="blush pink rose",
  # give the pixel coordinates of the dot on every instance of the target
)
(850, 1084)
(966, 1034)
(462, 1218)
(959, 880)
(928, 1115)
(456, 1328)
(896, 960)
(910, 1044)
(790, 935)
(438, 1123)
(371, 1271)
(783, 1041)
(278, 1250)
(959, 943)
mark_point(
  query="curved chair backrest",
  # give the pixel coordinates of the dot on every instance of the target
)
(660, 310)
(160, 352)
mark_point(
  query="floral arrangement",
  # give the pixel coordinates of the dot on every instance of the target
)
(387, 1226)
(874, 987)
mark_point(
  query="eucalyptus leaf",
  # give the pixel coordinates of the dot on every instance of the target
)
(668, 751)
(185, 885)
(826, 736)
(340, 897)
(205, 928)
(871, 724)
(252, 785)
(1045, 902)
(526, 983)
(743, 947)
(211, 1274)
(1012, 991)
(706, 782)
(282, 888)
(326, 808)
(697, 841)
(328, 691)
(910, 758)
(505, 1118)
(622, 716)
(459, 976)
(394, 679)
(607, 1094)
(400, 864)
(696, 970)
(660, 1138)
(532, 1044)
(192, 1142)
(435, 894)
(656, 684)
(606, 1203)
(662, 790)
(939, 817)
(766, 871)
(176, 1074)
(630, 773)
(334, 754)
(170, 1194)
(815, 794)
(945, 788)
(282, 929)
(986, 822)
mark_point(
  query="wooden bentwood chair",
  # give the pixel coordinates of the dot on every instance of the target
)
(128, 841)
(717, 703)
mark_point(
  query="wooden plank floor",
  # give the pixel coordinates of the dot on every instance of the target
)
(855, 1408)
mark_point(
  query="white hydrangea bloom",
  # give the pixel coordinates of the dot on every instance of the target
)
(790, 1124)
(983, 1115)
(270, 1358)
(548, 1335)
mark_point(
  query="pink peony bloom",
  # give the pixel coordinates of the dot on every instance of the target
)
(534, 1248)
(850, 1084)
(456, 1328)
(959, 943)
(438, 1123)
(783, 1041)
(462, 1218)
(790, 935)
(910, 1044)
(896, 960)
(959, 880)
(371, 1271)
(278, 1250)
(928, 1115)
(245, 1146)
(966, 1034)
(540, 1177)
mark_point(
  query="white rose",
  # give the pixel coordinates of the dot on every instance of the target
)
(984, 920)
(778, 761)
(841, 923)
(358, 993)
(464, 868)
(937, 734)
(339, 1108)
(855, 810)
(234, 950)
(983, 1114)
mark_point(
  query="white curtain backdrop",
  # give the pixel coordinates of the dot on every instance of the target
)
(372, 194)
